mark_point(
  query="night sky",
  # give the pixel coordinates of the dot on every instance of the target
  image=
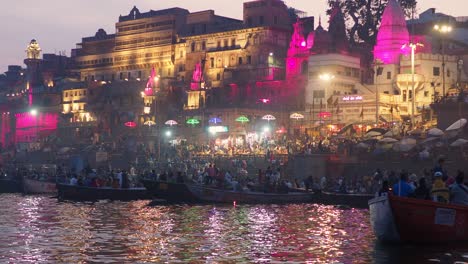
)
(59, 24)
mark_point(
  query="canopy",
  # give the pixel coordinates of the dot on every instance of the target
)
(171, 122)
(296, 116)
(457, 125)
(193, 121)
(268, 117)
(373, 134)
(149, 123)
(459, 142)
(215, 120)
(435, 132)
(242, 119)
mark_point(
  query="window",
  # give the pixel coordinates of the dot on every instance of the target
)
(219, 44)
(410, 97)
(448, 72)
(226, 43)
(212, 62)
(169, 72)
(181, 68)
(249, 59)
(218, 76)
(389, 75)
(240, 60)
(319, 94)
(139, 74)
(181, 54)
(261, 21)
(66, 94)
(436, 71)
(233, 42)
(192, 47)
(426, 93)
(404, 95)
(121, 76)
(203, 45)
(129, 75)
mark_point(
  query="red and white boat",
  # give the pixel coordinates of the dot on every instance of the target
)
(396, 218)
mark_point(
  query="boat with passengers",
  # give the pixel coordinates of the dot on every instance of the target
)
(396, 218)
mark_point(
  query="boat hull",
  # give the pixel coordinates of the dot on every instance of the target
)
(9, 186)
(39, 187)
(382, 220)
(81, 193)
(188, 193)
(428, 221)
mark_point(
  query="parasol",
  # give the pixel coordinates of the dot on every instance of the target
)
(296, 116)
(171, 122)
(268, 118)
(242, 119)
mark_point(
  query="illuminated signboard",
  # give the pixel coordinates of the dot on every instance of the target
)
(217, 129)
(352, 98)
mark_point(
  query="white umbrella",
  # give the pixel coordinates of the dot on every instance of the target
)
(457, 125)
(149, 123)
(296, 116)
(405, 145)
(459, 142)
(268, 117)
(388, 140)
(171, 122)
(435, 132)
(373, 134)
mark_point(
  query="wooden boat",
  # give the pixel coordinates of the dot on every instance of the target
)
(83, 193)
(346, 199)
(8, 185)
(31, 186)
(396, 218)
(193, 193)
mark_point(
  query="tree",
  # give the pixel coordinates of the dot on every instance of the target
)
(363, 17)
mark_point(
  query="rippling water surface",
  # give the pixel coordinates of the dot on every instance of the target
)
(38, 229)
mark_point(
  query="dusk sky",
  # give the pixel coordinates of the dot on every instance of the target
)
(59, 24)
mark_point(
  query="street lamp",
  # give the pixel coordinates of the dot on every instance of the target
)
(326, 77)
(413, 47)
(443, 29)
(33, 112)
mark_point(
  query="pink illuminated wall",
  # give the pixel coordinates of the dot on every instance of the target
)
(298, 51)
(30, 128)
(392, 35)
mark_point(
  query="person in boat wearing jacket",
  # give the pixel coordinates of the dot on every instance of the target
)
(403, 188)
(439, 192)
(459, 191)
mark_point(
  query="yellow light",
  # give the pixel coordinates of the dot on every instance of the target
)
(326, 77)
(142, 94)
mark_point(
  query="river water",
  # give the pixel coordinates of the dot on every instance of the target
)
(39, 229)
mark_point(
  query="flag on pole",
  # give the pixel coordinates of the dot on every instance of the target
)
(330, 100)
(336, 102)
(391, 109)
(321, 104)
(362, 112)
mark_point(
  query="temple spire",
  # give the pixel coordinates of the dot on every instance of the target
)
(393, 34)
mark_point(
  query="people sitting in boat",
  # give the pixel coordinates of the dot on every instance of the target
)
(384, 189)
(439, 192)
(125, 180)
(309, 183)
(458, 190)
(413, 178)
(95, 182)
(74, 180)
(422, 192)
(402, 187)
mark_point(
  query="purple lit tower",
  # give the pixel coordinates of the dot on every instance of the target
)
(392, 35)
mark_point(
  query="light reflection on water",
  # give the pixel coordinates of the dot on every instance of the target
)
(39, 229)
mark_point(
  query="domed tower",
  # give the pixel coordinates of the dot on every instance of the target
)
(321, 40)
(33, 62)
(393, 34)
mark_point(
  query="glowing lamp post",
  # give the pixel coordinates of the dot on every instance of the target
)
(443, 30)
(413, 47)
